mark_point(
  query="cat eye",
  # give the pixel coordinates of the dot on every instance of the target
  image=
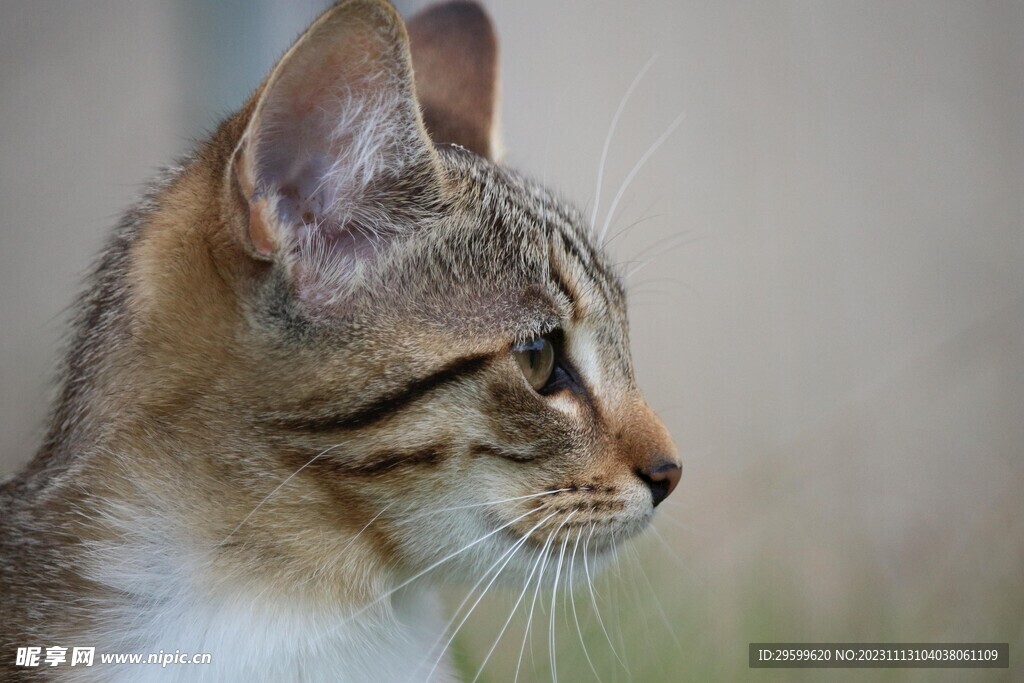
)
(537, 360)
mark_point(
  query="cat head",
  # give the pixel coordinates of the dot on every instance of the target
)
(396, 336)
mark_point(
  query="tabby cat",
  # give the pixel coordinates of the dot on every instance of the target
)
(336, 353)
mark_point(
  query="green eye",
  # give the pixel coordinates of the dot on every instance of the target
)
(537, 360)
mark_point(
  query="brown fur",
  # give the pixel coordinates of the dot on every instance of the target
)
(197, 381)
(455, 51)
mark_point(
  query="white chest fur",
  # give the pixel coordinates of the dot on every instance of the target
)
(252, 639)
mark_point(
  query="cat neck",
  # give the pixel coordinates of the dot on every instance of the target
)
(259, 630)
(171, 575)
(267, 638)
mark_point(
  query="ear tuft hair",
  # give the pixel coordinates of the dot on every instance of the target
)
(335, 154)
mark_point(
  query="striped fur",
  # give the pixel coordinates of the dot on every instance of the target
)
(248, 452)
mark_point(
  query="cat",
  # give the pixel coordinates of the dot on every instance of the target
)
(337, 354)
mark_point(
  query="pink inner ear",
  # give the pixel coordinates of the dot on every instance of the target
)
(324, 154)
(325, 177)
(304, 196)
(335, 154)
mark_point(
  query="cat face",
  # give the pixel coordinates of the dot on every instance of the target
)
(419, 348)
(481, 380)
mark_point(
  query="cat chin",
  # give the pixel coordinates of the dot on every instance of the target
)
(528, 567)
(609, 536)
(585, 550)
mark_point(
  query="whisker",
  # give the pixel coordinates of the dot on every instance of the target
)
(657, 602)
(657, 246)
(639, 607)
(632, 225)
(661, 254)
(652, 285)
(554, 595)
(593, 600)
(529, 621)
(616, 602)
(687, 572)
(575, 615)
(323, 567)
(684, 528)
(510, 553)
(366, 526)
(435, 565)
(611, 132)
(661, 539)
(508, 621)
(637, 298)
(636, 169)
(276, 489)
(492, 502)
(567, 586)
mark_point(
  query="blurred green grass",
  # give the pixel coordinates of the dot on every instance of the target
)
(718, 572)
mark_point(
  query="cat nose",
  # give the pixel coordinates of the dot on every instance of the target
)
(661, 478)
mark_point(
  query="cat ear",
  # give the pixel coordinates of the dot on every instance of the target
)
(455, 56)
(335, 155)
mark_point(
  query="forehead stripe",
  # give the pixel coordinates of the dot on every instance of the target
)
(589, 268)
(566, 286)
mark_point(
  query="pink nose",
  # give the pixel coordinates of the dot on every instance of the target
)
(662, 478)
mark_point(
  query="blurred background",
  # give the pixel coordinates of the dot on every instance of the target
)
(827, 291)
